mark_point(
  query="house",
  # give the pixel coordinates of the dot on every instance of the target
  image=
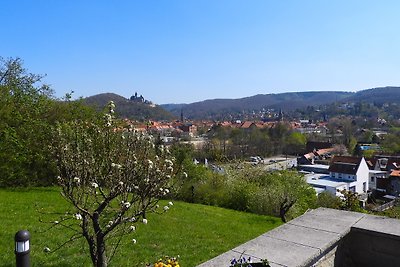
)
(188, 129)
(313, 145)
(315, 155)
(384, 174)
(394, 183)
(343, 173)
(323, 183)
(352, 170)
(248, 125)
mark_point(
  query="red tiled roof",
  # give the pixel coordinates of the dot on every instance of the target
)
(395, 173)
(246, 124)
(325, 151)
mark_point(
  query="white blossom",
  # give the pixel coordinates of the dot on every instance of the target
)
(56, 222)
(150, 163)
(132, 228)
(157, 206)
(144, 221)
(134, 241)
(121, 183)
(166, 191)
(170, 203)
(166, 208)
(133, 219)
(46, 249)
(112, 104)
(78, 216)
(127, 205)
(185, 174)
(114, 165)
(110, 223)
(77, 180)
(95, 185)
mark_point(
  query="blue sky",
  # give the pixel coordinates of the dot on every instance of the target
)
(186, 51)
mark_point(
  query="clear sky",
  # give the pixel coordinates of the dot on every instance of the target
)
(183, 51)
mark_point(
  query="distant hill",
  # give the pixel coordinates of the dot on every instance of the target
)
(379, 95)
(126, 108)
(285, 101)
(223, 108)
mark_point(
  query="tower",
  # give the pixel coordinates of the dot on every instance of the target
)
(182, 115)
(280, 116)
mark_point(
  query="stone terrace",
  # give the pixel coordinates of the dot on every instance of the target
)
(322, 238)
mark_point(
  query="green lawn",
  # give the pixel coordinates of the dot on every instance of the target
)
(195, 232)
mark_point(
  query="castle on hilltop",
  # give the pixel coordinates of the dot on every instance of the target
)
(139, 99)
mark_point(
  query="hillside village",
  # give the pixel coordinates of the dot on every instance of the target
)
(200, 133)
(127, 155)
(327, 164)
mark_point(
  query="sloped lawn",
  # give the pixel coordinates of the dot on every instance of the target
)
(194, 232)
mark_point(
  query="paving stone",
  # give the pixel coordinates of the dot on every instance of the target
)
(379, 224)
(279, 252)
(305, 236)
(335, 221)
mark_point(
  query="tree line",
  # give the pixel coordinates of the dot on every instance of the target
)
(28, 113)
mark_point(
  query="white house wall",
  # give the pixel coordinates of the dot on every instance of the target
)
(362, 176)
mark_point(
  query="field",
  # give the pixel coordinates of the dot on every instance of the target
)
(194, 232)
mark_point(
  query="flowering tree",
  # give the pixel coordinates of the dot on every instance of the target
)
(111, 175)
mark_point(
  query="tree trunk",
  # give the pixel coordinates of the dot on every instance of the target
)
(101, 253)
(284, 208)
(282, 213)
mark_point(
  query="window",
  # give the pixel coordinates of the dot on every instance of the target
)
(352, 189)
(365, 187)
(372, 179)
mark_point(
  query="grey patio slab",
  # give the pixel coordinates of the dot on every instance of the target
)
(305, 236)
(383, 225)
(279, 252)
(335, 221)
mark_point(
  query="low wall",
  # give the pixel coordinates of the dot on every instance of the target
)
(324, 238)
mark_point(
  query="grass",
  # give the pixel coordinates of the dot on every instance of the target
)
(195, 232)
(393, 212)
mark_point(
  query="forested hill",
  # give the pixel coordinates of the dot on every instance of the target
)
(380, 95)
(223, 108)
(126, 108)
(285, 101)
